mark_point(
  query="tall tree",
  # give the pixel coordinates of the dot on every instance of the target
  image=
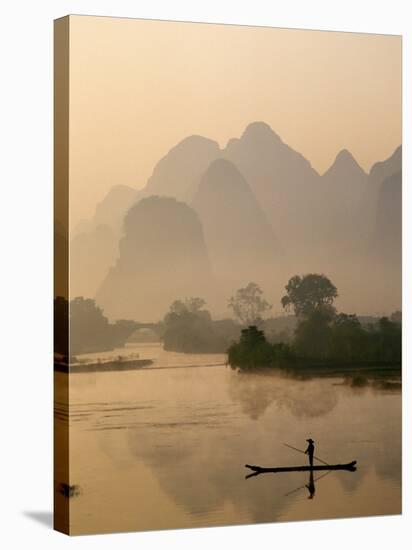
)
(309, 294)
(188, 327)
(248, 304)
(192, 305)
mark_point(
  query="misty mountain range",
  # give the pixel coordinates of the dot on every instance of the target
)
(210, 220)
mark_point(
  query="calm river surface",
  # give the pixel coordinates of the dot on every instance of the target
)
(165, 446)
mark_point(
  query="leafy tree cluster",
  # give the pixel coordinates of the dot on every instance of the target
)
(189, 328)
(321, 333)
(248, 304)
(254, 351)
(344, 339)
(312, 293)
(89, 329)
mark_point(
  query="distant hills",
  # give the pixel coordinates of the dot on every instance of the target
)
(386, 243)
(178, 173)
(379, 172)
(241, 242)
(110, 211)
(283, 181)
(343, 186)
(257, 211)
(95, 243)
(162, 257)
(91, 255)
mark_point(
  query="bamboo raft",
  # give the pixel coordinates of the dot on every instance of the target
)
(350, 467)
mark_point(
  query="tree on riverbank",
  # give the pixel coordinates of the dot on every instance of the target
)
(248, 304)
(308, 294)
(254, 351)
(189, 328)
(321, 333)
(90, 330)
(311, 297)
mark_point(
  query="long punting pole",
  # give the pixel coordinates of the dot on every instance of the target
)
(303, 452)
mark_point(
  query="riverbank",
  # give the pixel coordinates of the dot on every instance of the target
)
(108, 366)
(386, 377)
(341, 368)
(169, 419)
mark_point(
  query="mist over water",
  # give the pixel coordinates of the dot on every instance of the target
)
(166, 447)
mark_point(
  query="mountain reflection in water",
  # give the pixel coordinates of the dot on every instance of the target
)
(166, 448)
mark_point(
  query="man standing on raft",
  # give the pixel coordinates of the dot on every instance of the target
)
(310, 450)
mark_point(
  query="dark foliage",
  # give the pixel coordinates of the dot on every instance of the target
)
(254, 351)
(90, 330)
(321, 335)
(189, 328)
(312, 336)
(309, 293)
(344, 339)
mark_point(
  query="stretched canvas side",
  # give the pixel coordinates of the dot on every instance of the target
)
(61, 275)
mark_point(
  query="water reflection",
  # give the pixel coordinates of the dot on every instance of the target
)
(184, 435)
(304, 399)
(310, 485)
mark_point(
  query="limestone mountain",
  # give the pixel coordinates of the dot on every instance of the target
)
(241, 242)
(343, 186)
(262, 209)
(283, 181)
(110, 210)
(162, 258)
(369, 202)
(177, 174)
(384, 255)
(94, 243)
(344, 181)
(380, 230)
(92, 253)
(386, 243)
(383, 169)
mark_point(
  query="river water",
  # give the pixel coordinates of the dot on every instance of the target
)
(165, 446)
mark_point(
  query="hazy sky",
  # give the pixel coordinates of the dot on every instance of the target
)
(138, 87)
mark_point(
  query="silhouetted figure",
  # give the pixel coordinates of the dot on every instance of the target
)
(311, 486)
(310, 450)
